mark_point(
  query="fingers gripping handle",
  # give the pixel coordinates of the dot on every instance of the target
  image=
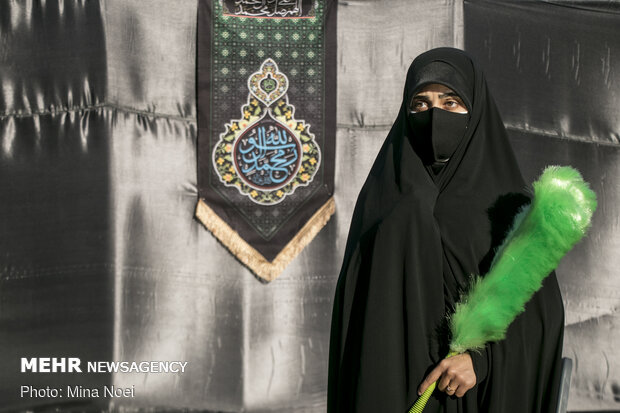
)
(419, 405)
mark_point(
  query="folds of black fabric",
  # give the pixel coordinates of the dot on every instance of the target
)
(414, 242)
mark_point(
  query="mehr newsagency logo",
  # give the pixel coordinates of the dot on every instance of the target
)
(268, 153)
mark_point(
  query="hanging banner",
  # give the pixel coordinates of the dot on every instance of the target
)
(266, 126)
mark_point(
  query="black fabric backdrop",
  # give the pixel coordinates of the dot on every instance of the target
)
(555, 65)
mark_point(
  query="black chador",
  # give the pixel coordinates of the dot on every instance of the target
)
(439, 198)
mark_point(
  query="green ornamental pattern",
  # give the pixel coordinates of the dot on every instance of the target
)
(240, 46)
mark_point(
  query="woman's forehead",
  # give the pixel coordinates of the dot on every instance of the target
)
(434, 88)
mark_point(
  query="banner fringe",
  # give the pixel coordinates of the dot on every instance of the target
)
(249, 256)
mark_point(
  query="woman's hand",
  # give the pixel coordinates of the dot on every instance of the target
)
(455, 374)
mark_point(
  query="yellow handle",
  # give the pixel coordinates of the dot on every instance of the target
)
(420, 404)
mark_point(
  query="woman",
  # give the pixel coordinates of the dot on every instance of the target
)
(439, 198)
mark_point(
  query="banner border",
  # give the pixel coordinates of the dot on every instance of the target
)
(248, 255)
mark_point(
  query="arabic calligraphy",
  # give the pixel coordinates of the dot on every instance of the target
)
(267, 155)
(269, 152)
(267, 8)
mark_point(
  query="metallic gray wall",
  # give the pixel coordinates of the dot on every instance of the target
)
(554, 68)
(56, 272)
(180, 294)
(102, 257)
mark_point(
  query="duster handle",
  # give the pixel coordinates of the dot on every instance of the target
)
(420, 404)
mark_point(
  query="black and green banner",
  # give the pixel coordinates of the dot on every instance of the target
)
(266, 125)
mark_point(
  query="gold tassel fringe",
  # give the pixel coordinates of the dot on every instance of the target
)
(249, 256)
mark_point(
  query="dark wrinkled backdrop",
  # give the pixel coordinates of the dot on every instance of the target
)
(100, 257)
(555, 70)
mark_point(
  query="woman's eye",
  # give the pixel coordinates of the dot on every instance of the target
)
(419, 105)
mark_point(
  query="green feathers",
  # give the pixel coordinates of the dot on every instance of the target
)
(542, 233)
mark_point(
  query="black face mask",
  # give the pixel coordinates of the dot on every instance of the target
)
(436, 134)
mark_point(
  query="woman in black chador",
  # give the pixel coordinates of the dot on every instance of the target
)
(439, 198)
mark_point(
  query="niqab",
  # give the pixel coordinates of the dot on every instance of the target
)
(416, 237)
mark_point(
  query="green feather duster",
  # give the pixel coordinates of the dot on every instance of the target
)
(542, 233)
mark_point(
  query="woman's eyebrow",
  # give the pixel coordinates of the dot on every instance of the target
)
(449, 94)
